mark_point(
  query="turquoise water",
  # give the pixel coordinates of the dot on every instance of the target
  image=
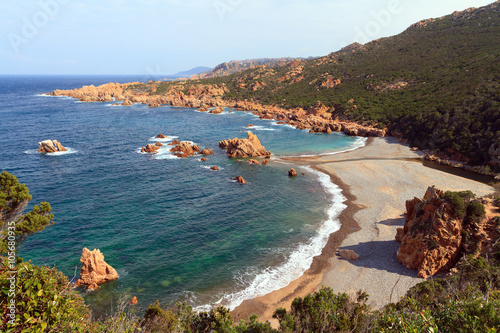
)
(173, 229)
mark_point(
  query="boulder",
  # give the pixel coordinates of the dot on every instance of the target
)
(206, 151)
(185, 149)
(292, 172)
(250, 147)
(252, 161)
(349, 254)
(203, 159)
(161, 136)
(174, 143)
(159, 144)
(94, 269)
(239, 179)
(265, 162)
(215, 168)
(217, 110)
(50, 146)
(249, 125)
(133, 301)
(150, 148)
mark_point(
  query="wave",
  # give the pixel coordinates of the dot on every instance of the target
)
(261, 128)
(57, 153)
(168, 138)
(359, 143)
(274, 278)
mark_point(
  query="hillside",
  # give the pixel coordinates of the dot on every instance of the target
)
(236, 66)
(436, 84)
(193, 71)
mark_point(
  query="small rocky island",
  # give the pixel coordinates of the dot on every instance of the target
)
(50, 146)
(250, 147)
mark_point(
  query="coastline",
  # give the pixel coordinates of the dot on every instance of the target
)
(376, 180)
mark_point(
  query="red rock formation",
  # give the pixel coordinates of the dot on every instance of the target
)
(206, 151)
(265, 162)
(203, 159)
(159, 144)
(250, 147)
(185, 149)
(240, 180)
(432, 235)
(150, 148)
(292, 173)
(161, 136)
(252, 161)
(349, 254)
(215, 168)
(174, 143)
(249, 125)
(133, 301)
(94, 269)
(50, 146)
(217, 110)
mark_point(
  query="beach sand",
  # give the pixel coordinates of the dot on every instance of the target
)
(376, 180)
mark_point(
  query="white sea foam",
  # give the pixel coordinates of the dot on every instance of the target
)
(274, 278)
(261, 128)
(208, 167)
(359, 143)
(168, 138)
(57, 153)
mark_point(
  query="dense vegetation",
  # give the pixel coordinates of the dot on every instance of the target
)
(437, 84)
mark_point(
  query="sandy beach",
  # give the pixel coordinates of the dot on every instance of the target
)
(376, 180)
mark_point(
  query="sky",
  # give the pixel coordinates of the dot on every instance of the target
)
(160, 37)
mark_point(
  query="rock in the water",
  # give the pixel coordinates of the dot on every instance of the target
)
(159, 144)
(215, 168)
(185, 149)
(50, 146)
(174, 143)
(150, 148)
(161, 136)
(133, 301)
(206, 151)
(349, 254)
(94, 269)
(265, 162)
(292, 172)
(249, 125)
(252, 161)
(240, 180)
(203, 159)
(217, 110)
(250, 147)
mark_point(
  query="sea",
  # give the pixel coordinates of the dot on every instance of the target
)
(175, 230)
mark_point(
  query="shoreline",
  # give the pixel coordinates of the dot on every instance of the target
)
(376, 180)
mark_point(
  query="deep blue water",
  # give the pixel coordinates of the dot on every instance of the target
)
(173, 229)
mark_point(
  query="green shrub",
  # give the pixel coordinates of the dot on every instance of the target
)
(456, 201)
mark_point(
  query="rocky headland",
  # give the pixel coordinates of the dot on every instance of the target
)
(318, 119)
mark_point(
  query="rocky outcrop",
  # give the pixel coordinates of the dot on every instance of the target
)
(161, 136)
(50, 146)
(203, 159)
(250, 147)
(174, 143)
(185, 149)
(265, 162)
(292, 172)
(349, 254)
(217, 110)
(150, 148)
(440, 228)
(214, 168)
(252, 161)
(133, 301)
(239, 179)
(94, 269)
(206, 151)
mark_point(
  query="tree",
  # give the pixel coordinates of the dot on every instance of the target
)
(14, 226)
